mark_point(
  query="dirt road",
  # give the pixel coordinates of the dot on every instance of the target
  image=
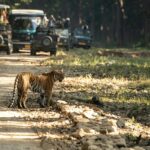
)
(15, 132)
(28, 129)
(73, 126)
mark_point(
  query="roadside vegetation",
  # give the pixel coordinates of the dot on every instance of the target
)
(122, 83)
(118, 78)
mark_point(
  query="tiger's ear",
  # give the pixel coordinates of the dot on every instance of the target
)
(53, 72)
(62, 70)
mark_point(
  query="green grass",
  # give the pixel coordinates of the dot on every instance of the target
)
(112, 78)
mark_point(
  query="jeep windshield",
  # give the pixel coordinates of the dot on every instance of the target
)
(25, 24)
(80, 32)
(62, 32)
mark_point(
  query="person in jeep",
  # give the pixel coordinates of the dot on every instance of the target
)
(52, 21)
(5, 30)
(44, 39)
(4, 16)
(84, 26)
(67, 23)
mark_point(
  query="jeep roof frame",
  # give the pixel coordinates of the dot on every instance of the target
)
(3, 6)
(29, 12)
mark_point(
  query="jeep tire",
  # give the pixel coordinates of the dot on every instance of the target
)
(53, 51)
(15, 49)
(33, 51)
(9, 48)
(67, 47)
(46, 42)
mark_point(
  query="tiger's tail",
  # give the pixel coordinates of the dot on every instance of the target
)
(12, 101)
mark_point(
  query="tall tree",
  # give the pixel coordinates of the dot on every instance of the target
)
(120, 15)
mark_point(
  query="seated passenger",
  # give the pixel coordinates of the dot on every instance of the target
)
(67, 23)
(59, 22)
(52, 21)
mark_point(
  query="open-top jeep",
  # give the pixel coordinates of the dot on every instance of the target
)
(45, 39)
(29, 31)
(81, 38)
(64, 38)
(5, 31)
(64, 31)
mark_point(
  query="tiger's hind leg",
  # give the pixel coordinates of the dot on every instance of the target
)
(19, 99)
(23, 100)
(19, 102)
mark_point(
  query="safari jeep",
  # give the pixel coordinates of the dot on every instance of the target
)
(81, 38)
(24, 23)
(29, 31)
(64, 38)
(45, 39)
(5, 31)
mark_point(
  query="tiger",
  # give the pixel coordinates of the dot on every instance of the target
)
(42, 83)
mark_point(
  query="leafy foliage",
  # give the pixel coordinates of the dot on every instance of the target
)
(119, 22)
(117, 78)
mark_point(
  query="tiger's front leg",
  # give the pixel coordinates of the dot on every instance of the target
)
(41, 101)
(48, 98)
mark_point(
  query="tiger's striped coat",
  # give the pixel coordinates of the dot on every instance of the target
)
(42, 84)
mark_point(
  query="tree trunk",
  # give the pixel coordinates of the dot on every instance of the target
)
(120, 22)
(146, 22)
(79, 12)
(92, 17)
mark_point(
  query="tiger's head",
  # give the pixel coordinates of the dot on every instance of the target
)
(58, 75)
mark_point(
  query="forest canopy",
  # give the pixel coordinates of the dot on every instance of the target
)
(117, 22)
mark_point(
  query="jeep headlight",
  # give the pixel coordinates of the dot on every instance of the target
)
(1, 40)
(58, 39)
(75, 39)
(89, 41)
(28, 37)
(31, 36)
(65, 40)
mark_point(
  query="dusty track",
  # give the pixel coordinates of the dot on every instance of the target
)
(72, 126)
(15, 132)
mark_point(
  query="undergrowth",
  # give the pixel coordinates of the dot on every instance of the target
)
(120, 79)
